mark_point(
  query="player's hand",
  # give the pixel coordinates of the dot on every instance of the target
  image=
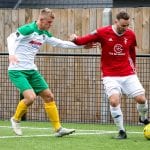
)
(90, 45)
(73, 37)
(13, 59)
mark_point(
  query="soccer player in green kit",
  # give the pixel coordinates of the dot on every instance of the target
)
(23, 45)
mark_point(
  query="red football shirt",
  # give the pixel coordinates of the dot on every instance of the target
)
(118, 51)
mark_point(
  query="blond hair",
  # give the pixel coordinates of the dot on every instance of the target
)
(46, 12)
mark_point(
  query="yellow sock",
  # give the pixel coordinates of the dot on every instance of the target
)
(20, 111)
(53, 115)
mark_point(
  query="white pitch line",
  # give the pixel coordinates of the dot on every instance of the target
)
(37, 128)
(78, 132)
(50, 135)
(25, 136)
(33, 128)
(86, 130)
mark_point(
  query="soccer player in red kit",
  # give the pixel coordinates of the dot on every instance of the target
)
(118, 44)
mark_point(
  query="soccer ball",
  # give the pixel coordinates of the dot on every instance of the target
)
(147, 131)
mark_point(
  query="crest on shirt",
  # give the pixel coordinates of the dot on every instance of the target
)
(125, 40)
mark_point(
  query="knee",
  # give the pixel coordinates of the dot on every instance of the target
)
(48, 97)
(140, 99)
(114, 100)
(29, 99)
(113, 103)
(32, 97)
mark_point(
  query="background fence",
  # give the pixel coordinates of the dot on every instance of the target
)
(74, 78)
(80, 21)
(76, 83)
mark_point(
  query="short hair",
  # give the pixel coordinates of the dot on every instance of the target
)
(123, 15)
(47, 12)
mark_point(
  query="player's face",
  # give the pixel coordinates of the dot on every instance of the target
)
(46, 23)
(122, 25)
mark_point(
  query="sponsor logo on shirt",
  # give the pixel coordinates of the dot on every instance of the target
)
(118, 50)
(35, 44)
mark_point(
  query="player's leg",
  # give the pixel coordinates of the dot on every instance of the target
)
(53, 114)
(113, 91)
(24, 117)
(134, 89)
(41, 87)
(142, 108)
(29, 97)
(19, 80)
(51, 108)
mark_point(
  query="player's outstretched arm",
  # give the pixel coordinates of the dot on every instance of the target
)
(55, 42)
(83, 40)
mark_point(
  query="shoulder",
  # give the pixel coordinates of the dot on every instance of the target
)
(104, 30)
(27, 29)
(130, 31)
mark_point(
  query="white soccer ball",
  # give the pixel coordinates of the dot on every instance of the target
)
(147, 131)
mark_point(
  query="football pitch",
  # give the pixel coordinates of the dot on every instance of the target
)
(40, 136)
